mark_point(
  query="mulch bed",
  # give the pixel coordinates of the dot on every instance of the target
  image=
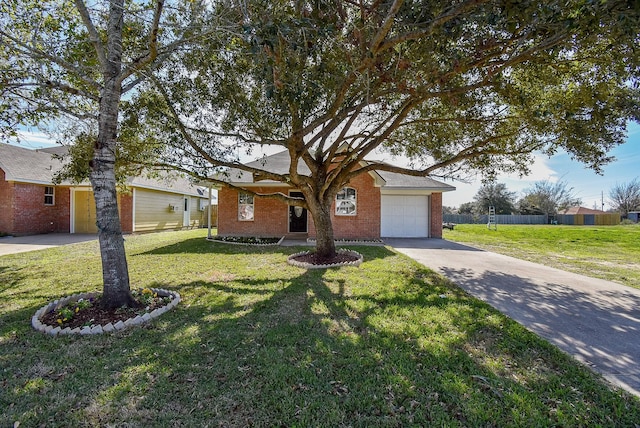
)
(96, 315)
(314, 259)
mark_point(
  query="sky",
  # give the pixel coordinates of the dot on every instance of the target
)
(587, 185)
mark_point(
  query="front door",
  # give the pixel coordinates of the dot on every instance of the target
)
(84, 212)
(186, 213)
(297, 216)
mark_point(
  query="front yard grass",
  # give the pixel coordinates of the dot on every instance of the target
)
(256, 342)
(607, 252)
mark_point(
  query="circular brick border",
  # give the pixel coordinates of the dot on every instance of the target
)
(99, 329)
(304, 265)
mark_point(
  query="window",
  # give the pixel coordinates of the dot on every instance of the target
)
(346, 201)
(48, 195)
(245, 207)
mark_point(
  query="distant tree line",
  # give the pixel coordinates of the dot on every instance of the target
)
(625, 197)
(544, 198)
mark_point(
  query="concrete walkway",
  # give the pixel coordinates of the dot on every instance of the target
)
(21, 244)
(596, 321)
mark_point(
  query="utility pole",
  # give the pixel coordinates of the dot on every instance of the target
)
(602, 199)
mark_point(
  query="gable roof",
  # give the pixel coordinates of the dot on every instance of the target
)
(168, 182)
(581, 210)
(39, 167)
(279, 164)
(28, 166)
(402, 181)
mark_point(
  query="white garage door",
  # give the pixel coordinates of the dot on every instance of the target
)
(405, 216)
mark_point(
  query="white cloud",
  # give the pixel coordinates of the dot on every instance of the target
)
(540, 170)
(33, 140)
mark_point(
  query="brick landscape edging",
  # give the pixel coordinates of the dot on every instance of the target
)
(100, 329)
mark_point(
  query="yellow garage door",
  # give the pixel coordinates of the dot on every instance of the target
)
(84, 212)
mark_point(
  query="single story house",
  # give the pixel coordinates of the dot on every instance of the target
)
(373, 205)
(31, 203)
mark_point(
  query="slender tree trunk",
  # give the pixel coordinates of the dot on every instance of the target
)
(321, 213)
(115, 272)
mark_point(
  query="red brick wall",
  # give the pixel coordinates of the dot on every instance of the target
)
(32, 216)
(23, 212)
(436, 215)
(366, 223)
(6, 204)
(63, 210)
(271, 217)
(126, 212)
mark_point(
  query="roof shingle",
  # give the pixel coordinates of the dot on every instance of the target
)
(39, 167)
(279, 164)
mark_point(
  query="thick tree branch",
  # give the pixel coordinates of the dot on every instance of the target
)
(445, 17)
(264, 175)
(152, 45)
(385, 27)
(94, 37)
(30, 51)
(170, 167)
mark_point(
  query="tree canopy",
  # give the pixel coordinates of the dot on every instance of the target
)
(496, 195)
(625, 197)
(69, 64)
(455, 86)
(547, 197)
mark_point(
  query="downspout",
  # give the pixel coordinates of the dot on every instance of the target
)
(209, 215)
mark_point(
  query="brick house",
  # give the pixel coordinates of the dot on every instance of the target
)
(30, 203)
(373, 205)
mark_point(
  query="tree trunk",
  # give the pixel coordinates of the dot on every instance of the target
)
(115, 272)
(321, 213)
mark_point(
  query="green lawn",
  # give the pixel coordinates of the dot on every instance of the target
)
(256, 342)
(608, 252)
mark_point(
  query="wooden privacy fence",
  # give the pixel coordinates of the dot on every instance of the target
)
(574, 219)
(589, 219)
(214, 216)
(500, 219)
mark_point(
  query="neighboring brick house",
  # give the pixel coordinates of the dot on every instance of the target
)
(31, 204)
(373, 205)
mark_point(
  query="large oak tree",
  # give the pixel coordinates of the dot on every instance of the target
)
(494, 195)
(457, 86)
(70, 64)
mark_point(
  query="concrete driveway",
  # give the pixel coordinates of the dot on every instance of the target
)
(596, 321)
(21, 244)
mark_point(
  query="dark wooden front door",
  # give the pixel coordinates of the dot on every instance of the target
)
(297, 216)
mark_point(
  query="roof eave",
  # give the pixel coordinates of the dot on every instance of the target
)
(258, 184)
(422, 189)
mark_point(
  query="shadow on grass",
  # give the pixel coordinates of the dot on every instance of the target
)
(600, 328)
(10, 277)
(386, 344)
(202, 246)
